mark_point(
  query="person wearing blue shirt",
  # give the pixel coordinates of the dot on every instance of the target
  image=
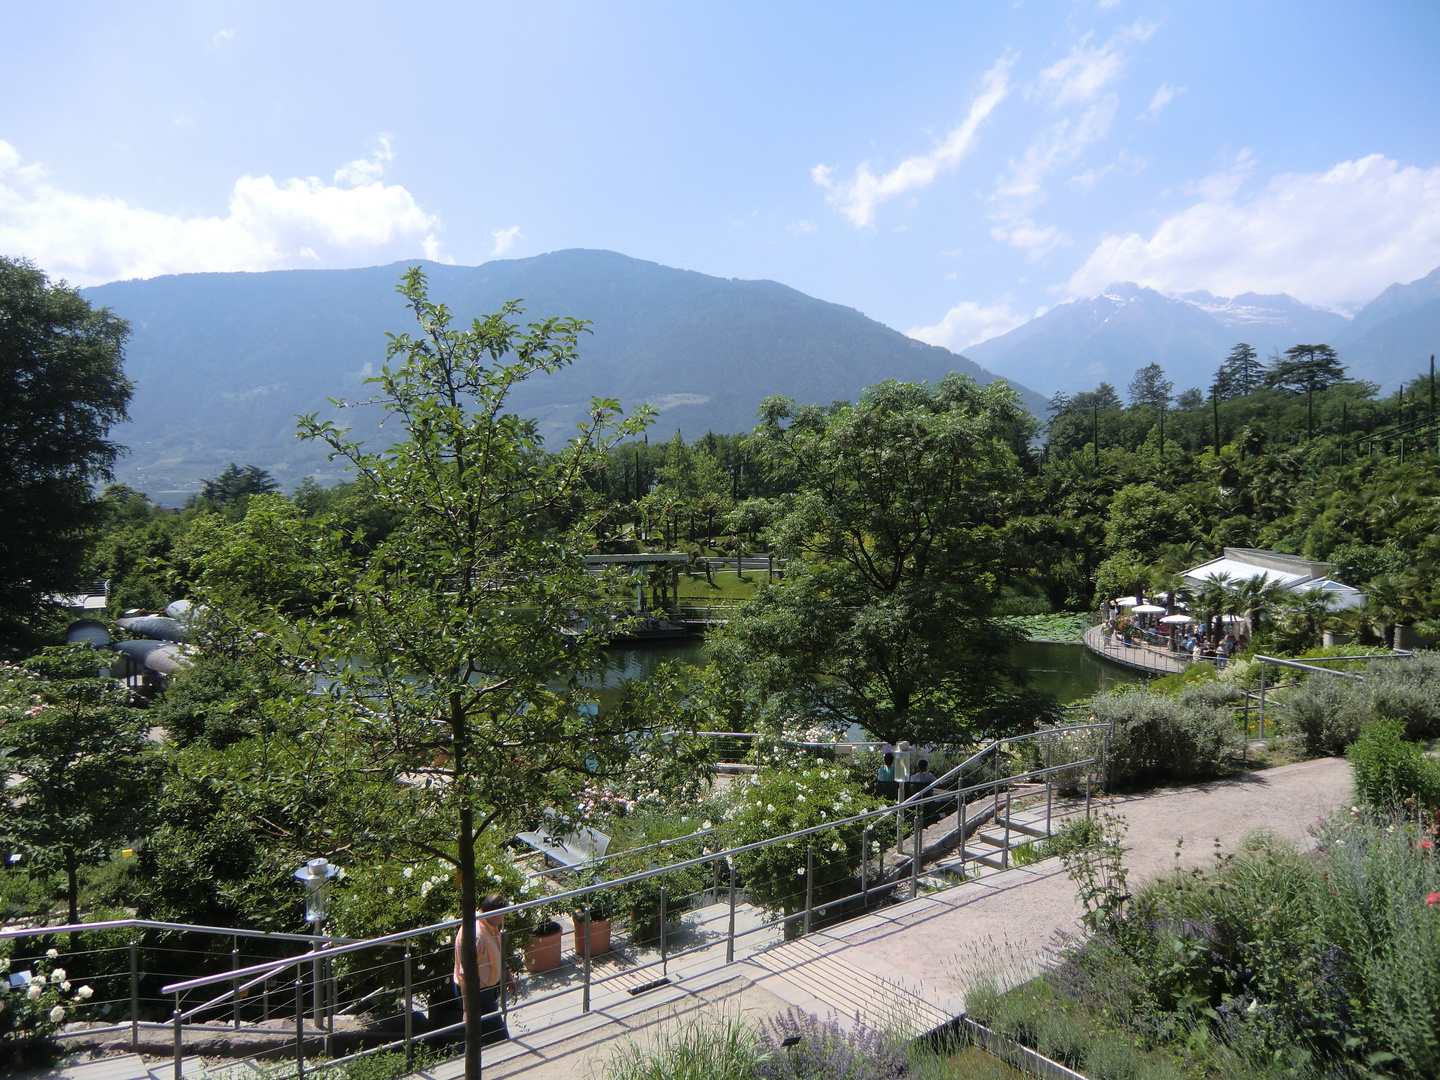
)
(885, 785)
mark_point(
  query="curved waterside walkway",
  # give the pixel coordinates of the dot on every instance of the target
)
(1137, 657)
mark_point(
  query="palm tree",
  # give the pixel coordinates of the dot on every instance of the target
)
(1171, 586)
(1256, 597)
(1306, 616)
(1177, 558)
(1391, 602)
(1213, 599)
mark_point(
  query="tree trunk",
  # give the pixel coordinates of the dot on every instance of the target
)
(72, 892)
(469, 956)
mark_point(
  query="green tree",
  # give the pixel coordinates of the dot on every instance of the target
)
(1241, 373)
(81, 768)
(898, 537)
(1151, 387)
(62, 388)
(472, 689)
(1305, 369)
(1144, 518)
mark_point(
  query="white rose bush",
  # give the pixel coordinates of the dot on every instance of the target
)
(780, 801)
(30, 1012)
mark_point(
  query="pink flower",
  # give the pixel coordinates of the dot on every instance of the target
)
(1433, 899)
(1424, 845)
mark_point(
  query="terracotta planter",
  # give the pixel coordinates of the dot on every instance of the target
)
(543, 952)
(599, 936)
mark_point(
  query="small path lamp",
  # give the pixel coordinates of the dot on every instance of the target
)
(316, 876)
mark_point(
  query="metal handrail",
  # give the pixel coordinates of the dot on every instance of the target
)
(152, 924)
(995, 746)
(585, 890)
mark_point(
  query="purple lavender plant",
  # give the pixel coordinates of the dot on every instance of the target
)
(827, 1052)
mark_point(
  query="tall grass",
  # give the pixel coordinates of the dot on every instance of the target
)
(703, 1047)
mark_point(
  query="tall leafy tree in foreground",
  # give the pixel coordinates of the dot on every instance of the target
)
(469, 702)
(81, 770)
(898, 537)
(62, 388)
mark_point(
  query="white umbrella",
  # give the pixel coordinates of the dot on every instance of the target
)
(1176, 620)
(1126, 601)
(1232, 618)
(1148, 609)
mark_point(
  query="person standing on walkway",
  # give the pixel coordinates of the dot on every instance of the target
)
(492, 969)
(885, 785)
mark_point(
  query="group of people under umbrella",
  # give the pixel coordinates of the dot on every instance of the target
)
(1176, 632)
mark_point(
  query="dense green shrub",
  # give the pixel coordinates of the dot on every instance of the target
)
(1157, 737)
(1327, 712)
(1268, 963)
(1389, 768)
(1407, 690)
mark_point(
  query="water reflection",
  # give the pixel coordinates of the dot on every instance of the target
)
(1067, 671)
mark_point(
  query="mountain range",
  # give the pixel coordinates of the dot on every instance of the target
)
(223, 362)
(1076, 345)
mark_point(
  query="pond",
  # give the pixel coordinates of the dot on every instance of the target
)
(1068, 671)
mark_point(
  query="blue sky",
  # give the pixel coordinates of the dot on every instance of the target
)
(949, 169)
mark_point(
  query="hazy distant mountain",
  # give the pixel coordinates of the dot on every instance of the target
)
(1074, 346)
(223, 362)
(1397, 300)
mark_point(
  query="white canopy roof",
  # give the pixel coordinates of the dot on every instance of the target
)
(1238, 570)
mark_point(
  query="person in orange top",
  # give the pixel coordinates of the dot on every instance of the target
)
(492, 969)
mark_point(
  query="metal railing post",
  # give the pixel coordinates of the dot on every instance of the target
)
(134, 996)
(1262, 700)
(715, 885)
(1049, 781)
(809, 885)
(585, 995)
(996, 745)
(730, 940)
(410, 1012)
(664, 926)
(915, 854)
(963, 809)
(314, 987)
(178, 1022)
(505, 976)
(865, 866)
(235, 982)
(1005, 852)
(327, 985)
(299, 1025)
(1089, 769)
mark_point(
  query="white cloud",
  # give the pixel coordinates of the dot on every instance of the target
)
(504, 240)
(858, 198)
(1036, 241)
(1163, 96)
(269, 225)
(1126, 162)
(1327, 238)
(1061, 142)
(800, 228)
(1081, 76)
(967, 323)
(367, 170)
(222, 35)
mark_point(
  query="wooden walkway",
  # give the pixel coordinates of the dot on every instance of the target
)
(1137, 657)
